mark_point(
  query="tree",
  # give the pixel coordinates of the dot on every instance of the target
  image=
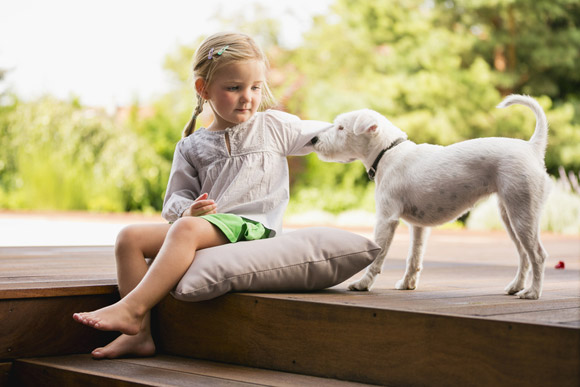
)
(433, 69)
(532, 45)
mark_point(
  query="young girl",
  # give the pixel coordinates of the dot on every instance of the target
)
(228, 183)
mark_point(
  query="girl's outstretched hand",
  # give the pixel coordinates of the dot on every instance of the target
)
(201, 206)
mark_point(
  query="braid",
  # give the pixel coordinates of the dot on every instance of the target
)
(190, 127)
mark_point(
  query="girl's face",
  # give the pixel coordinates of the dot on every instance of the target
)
(235, 93)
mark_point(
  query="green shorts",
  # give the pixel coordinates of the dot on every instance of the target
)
(237, 228)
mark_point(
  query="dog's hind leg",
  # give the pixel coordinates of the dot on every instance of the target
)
(384, 233)
(519, 282)
(524, 220)
(419, 237)
(531, 242)
(538, 256)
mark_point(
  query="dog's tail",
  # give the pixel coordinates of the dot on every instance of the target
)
(539, 139)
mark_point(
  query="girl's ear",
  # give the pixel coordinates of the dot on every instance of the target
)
(200, 88)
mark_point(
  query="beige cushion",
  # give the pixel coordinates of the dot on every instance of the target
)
(303, 260)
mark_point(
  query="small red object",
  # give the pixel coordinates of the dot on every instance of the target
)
(560, 265)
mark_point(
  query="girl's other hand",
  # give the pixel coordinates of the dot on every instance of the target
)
(201, 206)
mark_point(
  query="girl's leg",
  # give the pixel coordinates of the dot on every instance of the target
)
(134, 244)
(183, 238)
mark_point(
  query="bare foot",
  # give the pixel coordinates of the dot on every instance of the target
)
(116, 317)
(140, 345)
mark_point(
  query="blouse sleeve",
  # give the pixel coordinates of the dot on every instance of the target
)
(183, 186)
(293, 135)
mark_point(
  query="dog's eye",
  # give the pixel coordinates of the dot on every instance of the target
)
(340, 127)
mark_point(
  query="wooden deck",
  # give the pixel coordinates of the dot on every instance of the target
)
(464, 274)
(457, 326)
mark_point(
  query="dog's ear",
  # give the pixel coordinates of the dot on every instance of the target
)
(366, 121)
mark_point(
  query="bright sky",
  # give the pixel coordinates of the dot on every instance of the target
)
(108, 52)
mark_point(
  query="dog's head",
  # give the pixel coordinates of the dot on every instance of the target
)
(353, 134)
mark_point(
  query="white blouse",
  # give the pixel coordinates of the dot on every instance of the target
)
(252, 179)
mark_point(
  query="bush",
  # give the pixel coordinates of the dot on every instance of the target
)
(56, 155)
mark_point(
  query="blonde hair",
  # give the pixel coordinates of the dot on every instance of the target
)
(217, 51)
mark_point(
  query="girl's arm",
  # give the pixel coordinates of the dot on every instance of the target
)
(183, 187)
(292, 136)
(301, 134)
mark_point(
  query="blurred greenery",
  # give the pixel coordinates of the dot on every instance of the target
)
(561, 212)
(58, 155)
(436, 68)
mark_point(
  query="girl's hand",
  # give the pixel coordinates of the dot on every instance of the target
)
(201, 206)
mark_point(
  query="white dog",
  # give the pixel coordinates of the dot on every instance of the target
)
(427, 185)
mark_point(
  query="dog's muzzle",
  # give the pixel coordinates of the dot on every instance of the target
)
(314, 140)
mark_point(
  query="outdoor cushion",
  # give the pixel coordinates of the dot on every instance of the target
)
(303, 260)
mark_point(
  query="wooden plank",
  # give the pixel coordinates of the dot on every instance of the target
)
(40, 372)
(33, 272)
(368, 345)
(462, 290)
(569, 317)
(55, 262)
(458, 302)
(55, 289)
(159, 370)
(5, 373)
(43, 327)
(237, 373)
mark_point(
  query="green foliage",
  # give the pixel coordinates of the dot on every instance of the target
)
(437, 70)
(532, 44)
(55, 155)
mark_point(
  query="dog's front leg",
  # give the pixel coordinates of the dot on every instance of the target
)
(419, 237)
(384, 233)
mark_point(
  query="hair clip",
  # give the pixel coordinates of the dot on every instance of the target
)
(210, 56)
(220, 52)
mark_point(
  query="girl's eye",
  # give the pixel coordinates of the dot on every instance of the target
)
(233, 88)
(256, 88)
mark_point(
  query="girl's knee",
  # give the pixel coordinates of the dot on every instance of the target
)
(196, 233)
(128, 237)
(186, 225)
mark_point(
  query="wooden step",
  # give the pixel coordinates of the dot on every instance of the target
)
(457, 327)
(40, 289)
(81, 370)
(368, 344)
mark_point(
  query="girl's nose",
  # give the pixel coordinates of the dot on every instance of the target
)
(247, 95)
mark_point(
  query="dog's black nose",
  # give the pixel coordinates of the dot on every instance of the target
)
(314, 141)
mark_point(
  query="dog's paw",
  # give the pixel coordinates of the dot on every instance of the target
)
(360, 285)
(514, 287)
(529, 294)
(405, 284)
